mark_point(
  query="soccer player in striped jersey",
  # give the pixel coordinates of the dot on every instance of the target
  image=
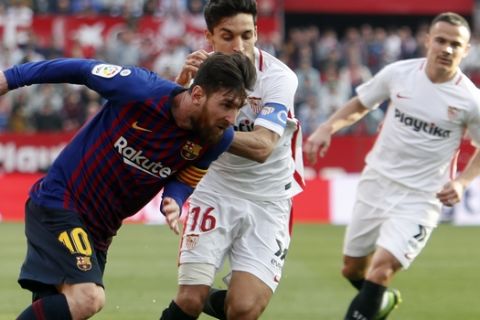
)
(150, 135)
(410, 170)
(242, 208)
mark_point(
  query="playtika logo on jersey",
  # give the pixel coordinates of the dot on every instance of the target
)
(135, 158)
(420, 125)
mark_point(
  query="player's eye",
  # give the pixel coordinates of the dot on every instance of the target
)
(247, 36)
(226, 36)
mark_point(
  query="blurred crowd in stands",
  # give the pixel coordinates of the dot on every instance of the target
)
(329, 65)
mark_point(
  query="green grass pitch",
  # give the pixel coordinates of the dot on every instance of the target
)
(140, 277)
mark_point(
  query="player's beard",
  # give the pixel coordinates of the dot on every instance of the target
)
(204, 129)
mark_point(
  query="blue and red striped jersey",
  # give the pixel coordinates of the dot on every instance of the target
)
(126, 153)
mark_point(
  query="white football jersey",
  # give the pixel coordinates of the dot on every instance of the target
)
(425, 122)
(281, 175)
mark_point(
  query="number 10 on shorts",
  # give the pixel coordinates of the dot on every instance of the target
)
(76, 241)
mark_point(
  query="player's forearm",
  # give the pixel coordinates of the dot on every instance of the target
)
(471, 171)
(256, 145)
(178, 190)
(49, 71)
(352, 112)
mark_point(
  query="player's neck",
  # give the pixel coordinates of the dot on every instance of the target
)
(439, 76)
(181, 111)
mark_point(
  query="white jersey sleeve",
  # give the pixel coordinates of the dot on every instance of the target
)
(473, 126)
(424, 123)
(270, 105)
(375, 91)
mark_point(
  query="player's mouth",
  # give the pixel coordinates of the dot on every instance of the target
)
(223, 126)
(444, 61)
(218, 130)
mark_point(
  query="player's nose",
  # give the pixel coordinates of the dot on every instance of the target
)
(448, 49)
(231, 116)
(238, 45)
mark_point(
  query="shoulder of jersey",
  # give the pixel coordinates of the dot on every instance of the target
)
(416, 63)
(274, 66)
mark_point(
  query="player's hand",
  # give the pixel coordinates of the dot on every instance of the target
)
(3, 84)
(317, 143)
(190, 68)
(451, 193)
(171, 210)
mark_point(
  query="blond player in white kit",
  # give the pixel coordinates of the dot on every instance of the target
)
(241, 210)
(409, 172)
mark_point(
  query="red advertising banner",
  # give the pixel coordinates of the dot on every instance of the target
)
(323, 201)
(87, 35)
(311, 206)
(23, 158)
(380, 6)
(33, 153)
(30, 153)
(13, 194)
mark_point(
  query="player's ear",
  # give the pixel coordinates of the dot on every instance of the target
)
(426, 41)
(209, 36)
(198, 94)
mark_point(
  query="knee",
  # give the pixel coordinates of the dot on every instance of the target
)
(244, 309)
(383, 268)
(191, 299)
(192, 305)
(346, 272)
(351, 272)
(85, 300)
(96, 299)
(354, 268)
(381, 274)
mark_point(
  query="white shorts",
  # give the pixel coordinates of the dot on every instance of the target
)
(254, 235)
(389, 215)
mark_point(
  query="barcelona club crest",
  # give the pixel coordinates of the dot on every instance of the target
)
(190, 151)
(84, 263)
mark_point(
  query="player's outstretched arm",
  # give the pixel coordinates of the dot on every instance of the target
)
(256, 145)
(319, 141)
(190, 68)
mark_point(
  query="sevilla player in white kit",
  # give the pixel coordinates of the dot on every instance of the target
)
(409, 171)
(242, 208)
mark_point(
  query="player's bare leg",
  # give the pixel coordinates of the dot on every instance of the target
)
(247, 296)
(188, 303)
(84, 299)
(354, 269)
(191, 298)
(72, 301)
